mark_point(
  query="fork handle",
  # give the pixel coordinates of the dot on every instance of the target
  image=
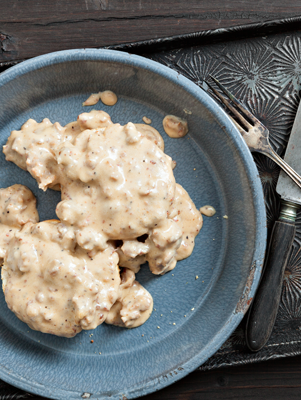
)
(284, 165)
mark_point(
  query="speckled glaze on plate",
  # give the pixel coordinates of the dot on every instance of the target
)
(192, 317)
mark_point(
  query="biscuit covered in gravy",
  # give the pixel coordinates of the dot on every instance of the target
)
(54, 286)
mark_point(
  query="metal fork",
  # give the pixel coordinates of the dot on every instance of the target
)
(255, 134)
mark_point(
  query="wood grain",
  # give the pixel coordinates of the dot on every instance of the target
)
(271, 380)
(32, 27)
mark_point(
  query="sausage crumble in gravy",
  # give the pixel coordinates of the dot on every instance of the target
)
(120, 207)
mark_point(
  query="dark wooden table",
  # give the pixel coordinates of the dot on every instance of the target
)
(32, 27)
(271, 380)
(29, 28)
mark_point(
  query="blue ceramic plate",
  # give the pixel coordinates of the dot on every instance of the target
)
(214, 165)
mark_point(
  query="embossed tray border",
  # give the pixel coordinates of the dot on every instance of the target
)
(210, 36)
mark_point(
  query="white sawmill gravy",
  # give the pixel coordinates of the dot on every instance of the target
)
(146, 120)
(108, 98)
(120, 206)
(209, 211)
(175, 127)
(17, 207)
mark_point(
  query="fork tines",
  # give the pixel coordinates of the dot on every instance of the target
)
(242, 115)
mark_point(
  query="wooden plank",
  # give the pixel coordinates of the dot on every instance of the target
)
(59, 10)
(271, 380)
(31, 27)
(62, 10)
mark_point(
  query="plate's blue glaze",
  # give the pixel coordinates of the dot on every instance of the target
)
(195, 316)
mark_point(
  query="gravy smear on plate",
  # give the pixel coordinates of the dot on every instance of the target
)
(175, 127)
(108, 98)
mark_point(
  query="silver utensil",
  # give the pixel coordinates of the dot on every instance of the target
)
(264, 308)
(255, 134)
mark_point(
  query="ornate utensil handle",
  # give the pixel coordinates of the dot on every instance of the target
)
(264, 308)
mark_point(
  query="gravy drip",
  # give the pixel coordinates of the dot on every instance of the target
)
(108, 98)
(175, 127)
(146, 120)
(17, 207)
(53, 286)
(209, 211)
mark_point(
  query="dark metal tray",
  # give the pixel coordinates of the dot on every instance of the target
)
(264, 72)
(261, 65)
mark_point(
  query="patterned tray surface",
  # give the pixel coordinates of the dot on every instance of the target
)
(265, 74)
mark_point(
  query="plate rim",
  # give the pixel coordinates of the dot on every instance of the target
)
(251, 171)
